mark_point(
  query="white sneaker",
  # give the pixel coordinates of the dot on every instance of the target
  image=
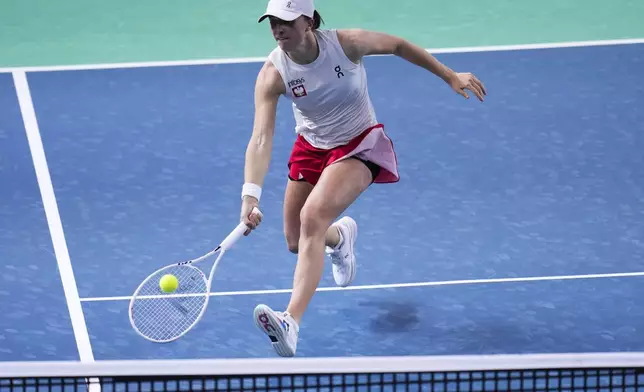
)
(344, 258)
(280, 327)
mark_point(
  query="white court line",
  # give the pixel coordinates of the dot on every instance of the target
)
(239, 60)
(53, 217)
(396, 285)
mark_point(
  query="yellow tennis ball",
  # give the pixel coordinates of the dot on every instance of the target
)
(169, 283)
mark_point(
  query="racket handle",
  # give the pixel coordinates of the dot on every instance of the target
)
(236, 234)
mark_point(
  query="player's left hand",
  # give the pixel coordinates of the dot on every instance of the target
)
(467, 81)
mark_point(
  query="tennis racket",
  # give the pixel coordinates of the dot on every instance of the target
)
(163, 317)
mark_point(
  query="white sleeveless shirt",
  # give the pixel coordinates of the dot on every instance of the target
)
(329, 96)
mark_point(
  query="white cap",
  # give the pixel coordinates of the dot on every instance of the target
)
(289, 10)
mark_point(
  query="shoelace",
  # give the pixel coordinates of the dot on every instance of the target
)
(336, 258)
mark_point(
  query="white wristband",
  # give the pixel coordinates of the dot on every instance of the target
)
(253, 190)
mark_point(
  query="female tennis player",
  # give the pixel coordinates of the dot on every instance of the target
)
(340, 149)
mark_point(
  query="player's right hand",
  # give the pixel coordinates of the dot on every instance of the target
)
(248, 216)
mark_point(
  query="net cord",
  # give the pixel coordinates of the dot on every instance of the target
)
(344, 365)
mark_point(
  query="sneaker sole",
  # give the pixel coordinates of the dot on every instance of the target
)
(271, 326)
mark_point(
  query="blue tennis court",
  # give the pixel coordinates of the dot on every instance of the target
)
(544, 180)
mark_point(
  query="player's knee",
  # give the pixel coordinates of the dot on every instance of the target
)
(312, 221)
(292, 238)
(292, 246)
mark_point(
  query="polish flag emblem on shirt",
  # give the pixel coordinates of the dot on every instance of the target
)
(299, 91)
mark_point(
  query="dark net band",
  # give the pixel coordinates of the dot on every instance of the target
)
(560, 373)
(526, 380)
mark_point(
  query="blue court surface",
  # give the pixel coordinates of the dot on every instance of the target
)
(543, 180)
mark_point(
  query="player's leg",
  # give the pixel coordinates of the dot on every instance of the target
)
(343, 257)
(339, 186)
(295, 196)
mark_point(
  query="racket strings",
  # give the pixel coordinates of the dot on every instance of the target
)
(165, 316)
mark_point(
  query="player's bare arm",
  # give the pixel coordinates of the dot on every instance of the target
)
(268, 88)
(358, 43)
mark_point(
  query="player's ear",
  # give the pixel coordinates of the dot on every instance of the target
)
(310, 24)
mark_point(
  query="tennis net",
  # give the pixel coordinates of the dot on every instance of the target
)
(534, 372)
